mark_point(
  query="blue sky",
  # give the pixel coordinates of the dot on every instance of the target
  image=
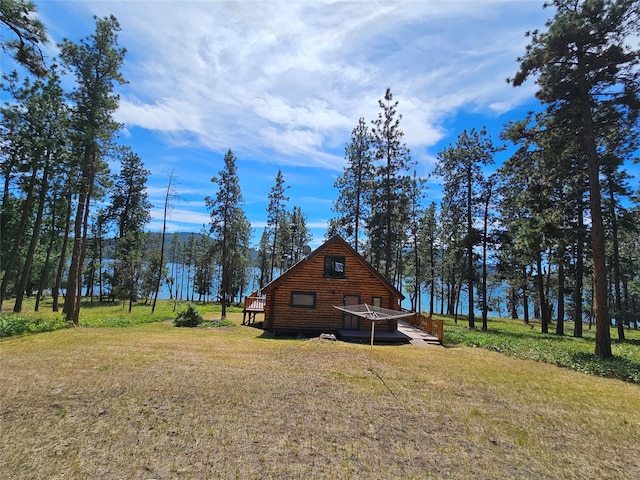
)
(282, 84)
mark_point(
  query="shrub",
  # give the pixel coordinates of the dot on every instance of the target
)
(14, 324)
(189, 318)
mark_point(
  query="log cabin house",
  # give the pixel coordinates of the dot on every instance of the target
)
(301, 300)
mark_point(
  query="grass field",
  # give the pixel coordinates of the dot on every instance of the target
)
(156, 401)
(513, 337)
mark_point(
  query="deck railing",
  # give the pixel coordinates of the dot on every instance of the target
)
(432, 326)
(254, 304)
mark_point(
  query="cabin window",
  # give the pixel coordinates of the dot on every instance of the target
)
(303, 299)
(334, 266)
(376, 301)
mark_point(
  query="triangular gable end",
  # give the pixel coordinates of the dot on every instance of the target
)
(318, 251)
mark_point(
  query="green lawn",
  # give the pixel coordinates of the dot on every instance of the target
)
(95, 314)
(511, 337)
(514, 337)
(156, 401)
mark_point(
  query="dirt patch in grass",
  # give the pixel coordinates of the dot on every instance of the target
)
(155, 401)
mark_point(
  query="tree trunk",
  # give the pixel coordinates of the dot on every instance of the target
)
(598, 245)
(525, 298)
(485, 307)
(22, 228)
(74, 269)
(74, 282)
(619, 312)
(577, 294)
(225, 272)
(544, 311)
(432, 289)
(471, 317)
(35, 235)
(45, 268)
(560, 323)
(514, 304)
(63, 255)
(164, 230)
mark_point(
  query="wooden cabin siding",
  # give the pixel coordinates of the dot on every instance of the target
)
(359, 279)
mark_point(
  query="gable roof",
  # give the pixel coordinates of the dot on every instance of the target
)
(333, 240)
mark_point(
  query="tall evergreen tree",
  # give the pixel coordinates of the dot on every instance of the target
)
(460, 165)
(532, 207)
(414, 247)
(586, 58)
(429, 235)
(451, 240)
(390, 202)
(204, 263)
(96, 63)
(262, 259)
(129, 211)
(354, 186)
(35, 142)
(300, 234)
(225, 208)
(276, 214)
(486, 197)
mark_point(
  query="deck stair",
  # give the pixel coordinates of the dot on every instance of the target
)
(423, 329)
(418, 337)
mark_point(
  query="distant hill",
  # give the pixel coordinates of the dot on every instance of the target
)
(184, 236)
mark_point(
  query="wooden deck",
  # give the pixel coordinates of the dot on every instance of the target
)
(253, 305)
(418, 337)
(406, 333)
(379, 337)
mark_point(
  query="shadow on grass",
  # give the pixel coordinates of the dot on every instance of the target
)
(565, 351)
(535, 334)
(616, 367)
(630, 341)
(87, 304)
(525, 334)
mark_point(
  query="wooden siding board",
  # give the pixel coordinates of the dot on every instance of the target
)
(359, 280)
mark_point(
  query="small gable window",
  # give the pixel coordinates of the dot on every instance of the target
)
(334, 266)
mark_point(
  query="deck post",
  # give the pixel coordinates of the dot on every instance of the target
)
(430, 325)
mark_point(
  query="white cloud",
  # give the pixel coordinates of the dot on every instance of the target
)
(284, 83)
(182, 216)
(294, 77)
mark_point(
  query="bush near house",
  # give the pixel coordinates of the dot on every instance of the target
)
(188, 318)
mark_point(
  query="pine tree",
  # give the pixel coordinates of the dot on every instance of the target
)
(34, 142)
(460, 165)
(129, 211)
(276, 215)
(390, 203)
(429, 235)
(226, 218)
(96, 63)
(29, 32)
(586, 58)
(300, 234)
(354, 186)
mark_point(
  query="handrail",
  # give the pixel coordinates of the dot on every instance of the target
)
(427, 324)
(254, 303)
